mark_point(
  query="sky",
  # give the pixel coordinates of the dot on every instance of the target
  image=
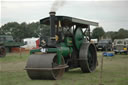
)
(110, 14)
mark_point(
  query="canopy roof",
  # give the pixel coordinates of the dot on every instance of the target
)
(69, 21)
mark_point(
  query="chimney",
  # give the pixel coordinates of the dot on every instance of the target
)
(52, 24)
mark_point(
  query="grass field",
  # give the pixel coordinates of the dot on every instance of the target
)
(115, 72)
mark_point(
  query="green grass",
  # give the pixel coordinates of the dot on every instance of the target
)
(14, 57)
(115, 72)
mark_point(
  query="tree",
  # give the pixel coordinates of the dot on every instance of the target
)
(98, 33)
(122, 33)
(111, 34)
(44, 30)
(24, 30)
(9, 28)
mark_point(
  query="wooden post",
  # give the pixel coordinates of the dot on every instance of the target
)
(101, 71)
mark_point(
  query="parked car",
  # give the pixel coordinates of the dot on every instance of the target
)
(121, 46)
(104, 45)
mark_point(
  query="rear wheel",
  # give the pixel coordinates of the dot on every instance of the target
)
(88, 58)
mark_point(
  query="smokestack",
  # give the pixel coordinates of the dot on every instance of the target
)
(52, 24)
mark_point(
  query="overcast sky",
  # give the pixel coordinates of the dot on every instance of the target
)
(111, 14)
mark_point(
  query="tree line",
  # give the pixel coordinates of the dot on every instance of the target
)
(28, 30)
(100, 33)
(23, 30)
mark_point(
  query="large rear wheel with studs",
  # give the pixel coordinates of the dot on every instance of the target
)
(88, 57)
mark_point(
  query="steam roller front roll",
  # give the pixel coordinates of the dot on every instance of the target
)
(45, 66)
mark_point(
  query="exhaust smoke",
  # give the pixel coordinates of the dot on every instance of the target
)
(57, 4)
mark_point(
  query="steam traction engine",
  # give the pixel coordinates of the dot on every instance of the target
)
(67, 47)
